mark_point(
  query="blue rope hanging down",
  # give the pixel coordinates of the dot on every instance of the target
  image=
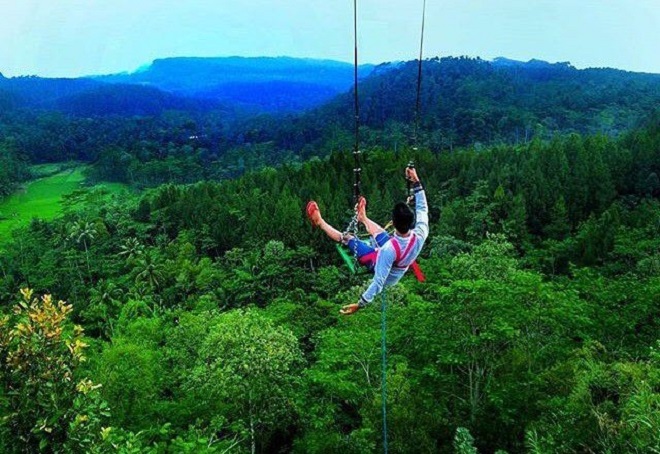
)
(383, 327)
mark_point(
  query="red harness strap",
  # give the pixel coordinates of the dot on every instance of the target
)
(397, 248)
(399, 257)
(417, 271)
(368, 259)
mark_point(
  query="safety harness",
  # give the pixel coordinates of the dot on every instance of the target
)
(401, 257)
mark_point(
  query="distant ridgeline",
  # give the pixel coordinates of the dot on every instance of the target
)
(247, 112)
(273, 84)
(470, 101)
(255, 84)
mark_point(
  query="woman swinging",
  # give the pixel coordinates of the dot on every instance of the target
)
(394, 254)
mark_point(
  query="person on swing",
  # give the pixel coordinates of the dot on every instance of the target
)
(394, 254)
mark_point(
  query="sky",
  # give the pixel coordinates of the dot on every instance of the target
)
(70, 38)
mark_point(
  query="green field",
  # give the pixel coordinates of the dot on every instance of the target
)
(42, 199)
(47, 170)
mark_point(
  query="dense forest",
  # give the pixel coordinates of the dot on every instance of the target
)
(467, 101)
(145, 136)
(199, 312)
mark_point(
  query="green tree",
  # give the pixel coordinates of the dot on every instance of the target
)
(83, 233)
(48, 407)
(613, 406)
(131, 249)
(103, 306)
(248, 370)
(133, 375)
(559, 225)
(464, 442)
(149, 271)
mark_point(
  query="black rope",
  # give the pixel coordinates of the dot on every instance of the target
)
(418, 103)
(356, 150)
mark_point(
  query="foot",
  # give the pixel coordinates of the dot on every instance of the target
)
(314, 214)
(361, 209)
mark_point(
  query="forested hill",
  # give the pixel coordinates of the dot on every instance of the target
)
(204, 318)
(267, 83)
(253, 84)
(466, 101)
(39, 92)
(192, 75)
(130, 130)
(88, 98)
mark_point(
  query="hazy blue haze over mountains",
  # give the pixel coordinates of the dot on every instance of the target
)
(190, 75)
(271, 84)
(280, 84)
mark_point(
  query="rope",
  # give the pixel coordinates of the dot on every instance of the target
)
(353, 226)
(419, 78)
(383, 345)
(356, 149)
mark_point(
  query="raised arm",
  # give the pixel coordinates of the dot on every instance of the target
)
(421, 206)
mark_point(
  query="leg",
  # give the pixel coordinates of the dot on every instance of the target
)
(366, 255)
(362, 251)
(329, 230)
(372, 227)
(314, 215)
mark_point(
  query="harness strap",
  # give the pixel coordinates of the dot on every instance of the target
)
(397, 248)
(402, 256)
(369, 258)
(419, 275)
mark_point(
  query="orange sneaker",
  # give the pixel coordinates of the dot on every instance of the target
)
(313, 213)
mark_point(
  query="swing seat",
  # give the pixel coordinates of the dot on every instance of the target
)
(347, 257)
(354, 265)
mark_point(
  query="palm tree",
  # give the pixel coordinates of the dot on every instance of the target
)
(105, 295)
(149, 271)
(131, 249)
(83, 233)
